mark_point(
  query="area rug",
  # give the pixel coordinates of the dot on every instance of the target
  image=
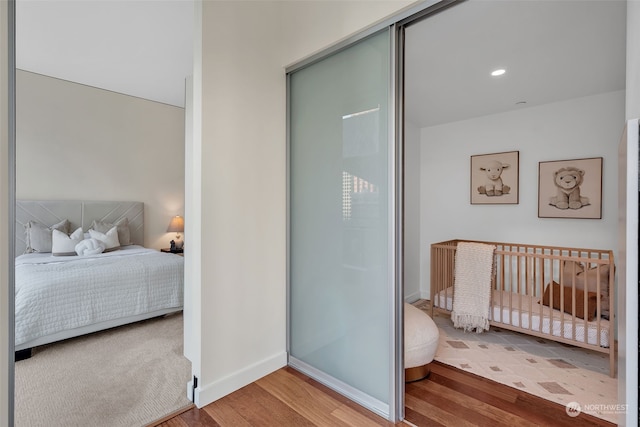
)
(126, 376)
(553, 371)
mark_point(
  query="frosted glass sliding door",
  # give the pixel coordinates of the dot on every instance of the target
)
(341, 222)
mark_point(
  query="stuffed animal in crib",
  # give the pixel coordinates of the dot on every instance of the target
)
(493, 185)
(568, 181)
(587, 278)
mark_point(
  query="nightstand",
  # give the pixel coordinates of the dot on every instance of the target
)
(169, 251)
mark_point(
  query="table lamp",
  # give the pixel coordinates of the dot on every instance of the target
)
(176, 226)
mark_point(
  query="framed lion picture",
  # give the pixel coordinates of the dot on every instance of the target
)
(570, 188)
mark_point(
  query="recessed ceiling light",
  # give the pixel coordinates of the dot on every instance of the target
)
(498, 72)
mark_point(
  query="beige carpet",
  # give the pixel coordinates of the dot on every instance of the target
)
(556, 372)
(127, 376)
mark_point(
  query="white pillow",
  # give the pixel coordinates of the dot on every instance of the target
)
(64, 244)
(110, 238)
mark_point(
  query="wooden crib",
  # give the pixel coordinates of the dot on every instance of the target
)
(521, 278)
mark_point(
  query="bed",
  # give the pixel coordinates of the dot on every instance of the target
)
(60, 297)
(557, 293)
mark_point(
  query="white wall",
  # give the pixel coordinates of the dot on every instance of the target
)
(578, 128)
(242, 202)
(633, 59)
(5, 161)
(245, 46)
(412, 213)
(78, 142)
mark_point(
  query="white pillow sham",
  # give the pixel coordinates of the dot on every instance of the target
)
(64, 244)
(110, 238)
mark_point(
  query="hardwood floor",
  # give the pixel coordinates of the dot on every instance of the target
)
(450, 397)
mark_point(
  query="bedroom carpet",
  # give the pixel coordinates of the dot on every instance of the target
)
(547, 369)
(127, 376)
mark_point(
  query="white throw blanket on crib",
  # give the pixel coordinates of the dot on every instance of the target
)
(472, 286)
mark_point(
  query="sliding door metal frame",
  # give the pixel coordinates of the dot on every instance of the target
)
(397, 292)
(396, 24)
(396, 382)
(11, 161)
(406, 16)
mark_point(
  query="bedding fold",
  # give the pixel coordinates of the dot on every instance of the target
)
(90, 247)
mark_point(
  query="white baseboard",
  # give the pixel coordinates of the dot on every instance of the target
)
(415, 296)
(208, 393)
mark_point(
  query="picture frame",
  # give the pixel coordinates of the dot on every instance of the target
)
(570, 188)
(492, 174)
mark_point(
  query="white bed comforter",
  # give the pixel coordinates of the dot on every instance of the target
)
(58, 294)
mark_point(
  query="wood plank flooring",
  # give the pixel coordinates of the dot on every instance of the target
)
(450, 397)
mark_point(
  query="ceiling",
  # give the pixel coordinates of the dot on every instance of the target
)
(552, 50)
(142, 48)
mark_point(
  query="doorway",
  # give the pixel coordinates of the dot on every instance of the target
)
(79, 122)
(542, 105)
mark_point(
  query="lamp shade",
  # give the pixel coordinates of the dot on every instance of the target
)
(176, 225)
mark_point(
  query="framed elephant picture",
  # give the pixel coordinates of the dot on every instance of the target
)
(494, 178)
(570, 188)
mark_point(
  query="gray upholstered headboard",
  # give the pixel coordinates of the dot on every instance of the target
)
(79, 214)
